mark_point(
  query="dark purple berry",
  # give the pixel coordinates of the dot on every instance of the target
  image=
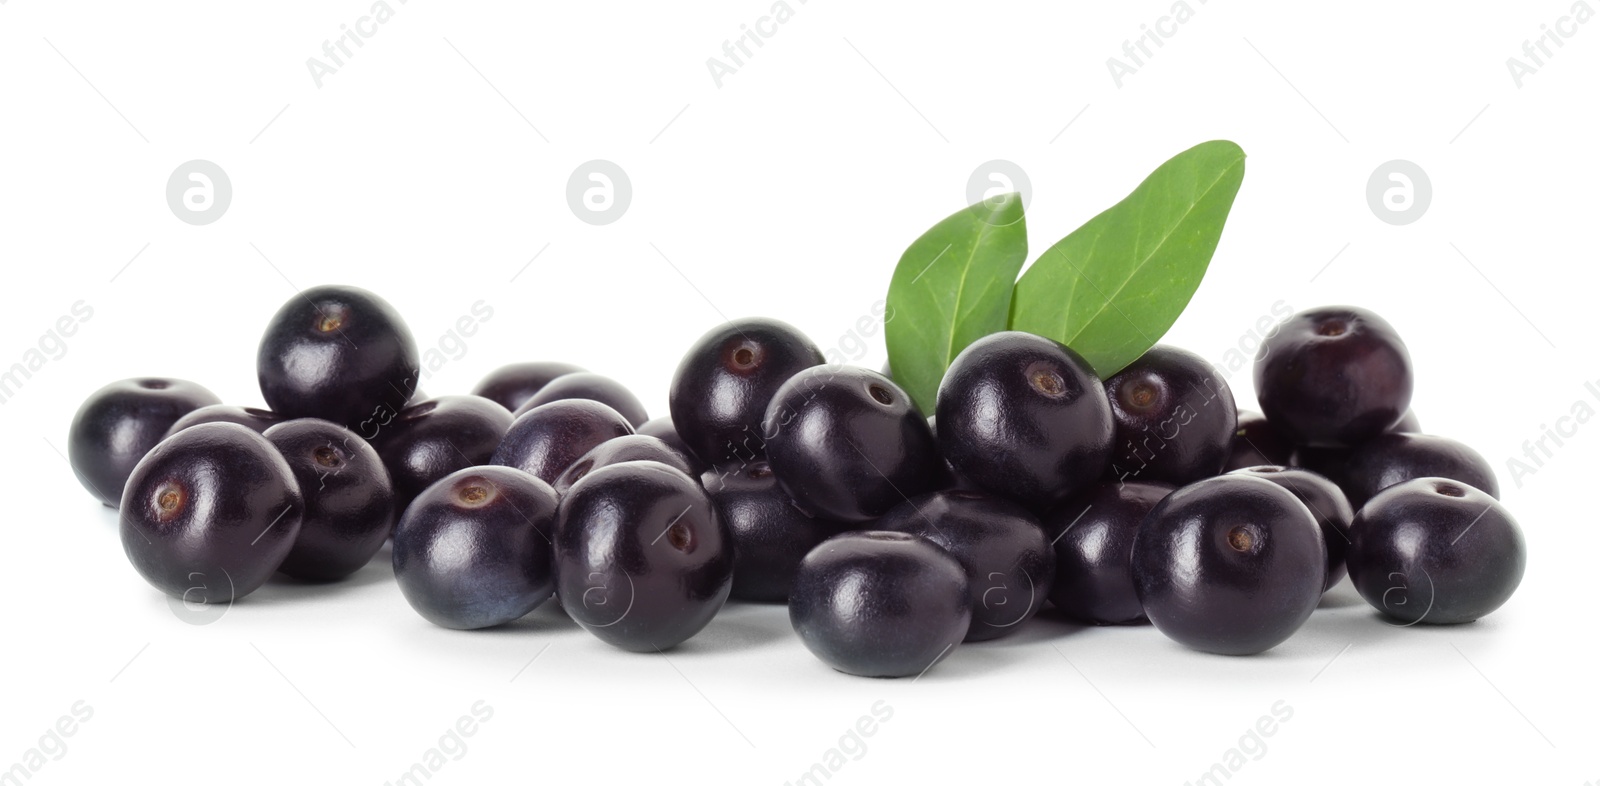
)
(770, 535)
(1002, 547)
(722, 387)
(1232, 565)
(632, 447)
(880, 604)
(1024, 417)
(1334, 376)
(1175, 418)
(1391, 459)
(473, 551)
(338, 353)
(1326, 503)
(512, 385)
(210, 513)
(119, 423)
(350, 505)
(642, 560)
(434, 438)
(847, 444)
(257, 420)
(1257, 444)
(1435, 550)
(1093, 535)
(584, 385)
(545, 440)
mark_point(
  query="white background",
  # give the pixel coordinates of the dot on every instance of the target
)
(432, 167)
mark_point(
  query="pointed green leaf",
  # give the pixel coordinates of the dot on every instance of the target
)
(1114, 286)
(952, 287)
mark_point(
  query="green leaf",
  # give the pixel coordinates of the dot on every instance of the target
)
(952, 287)
(1114, 286)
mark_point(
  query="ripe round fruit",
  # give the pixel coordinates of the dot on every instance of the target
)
(1093, 535)
(847, 444)
(1024, 417)
(1326, 503)
(119, 423)
(591, 387)
(512, 385)
(663, 429)
(210, 513)
(770, 535)
(257, 420)
(434, 438)
(1435, 550)
(1175, 418)
(721, 389)
(545, 440)
(1256, 443)
(642, 561)
(337, 353)
(632, 447)
(1334, 376)
(880, 604)
(1390, 459)
(1008, 560)
(1232, 565)
(350, 505)
(473, 551)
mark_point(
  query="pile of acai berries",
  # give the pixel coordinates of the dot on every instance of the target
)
(892, 534)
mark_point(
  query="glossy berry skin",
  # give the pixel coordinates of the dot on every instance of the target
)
(1024, 417)
(592, 387)
(662, 428)
(1333, 376)
(337, 353)
(119, 423)
(770, 535)
(1175, 418)
(642, 561)
(1003, 549)
(632, 447)
(880, 604)
(350, 504)
(721, 389)
(257, 420)
(1093, 535)
(210, 513)
(545, 440)
(1333, 463)
(1437, 551)
(1232, 565)
(1326, 503)
(1256, 443)
(434, 438)
(473, 551)
(847, 444)
(512, 385)
(1390, 459)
